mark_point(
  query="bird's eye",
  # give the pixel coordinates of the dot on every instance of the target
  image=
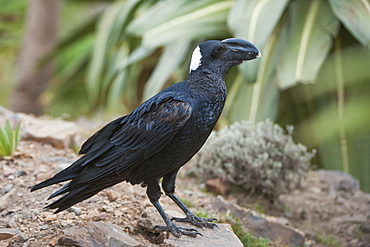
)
(215, 52)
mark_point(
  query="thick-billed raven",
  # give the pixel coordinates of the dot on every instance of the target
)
(158, 137)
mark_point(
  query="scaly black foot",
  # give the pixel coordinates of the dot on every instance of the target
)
(177, 231)
(197, 221)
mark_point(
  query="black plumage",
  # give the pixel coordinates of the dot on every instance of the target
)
(158, 137)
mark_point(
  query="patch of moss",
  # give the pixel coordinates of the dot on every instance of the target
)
(244, 235)
(187, 202)
(327, 240)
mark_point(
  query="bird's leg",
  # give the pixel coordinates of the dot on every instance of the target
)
(154, 193)
(168, 186)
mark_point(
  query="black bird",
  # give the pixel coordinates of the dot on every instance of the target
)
(158, 137)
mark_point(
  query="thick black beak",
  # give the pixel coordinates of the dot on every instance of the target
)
(241, 49)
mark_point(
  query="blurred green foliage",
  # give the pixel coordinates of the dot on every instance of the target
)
(313, 73)
(9, 139)
(12, 15)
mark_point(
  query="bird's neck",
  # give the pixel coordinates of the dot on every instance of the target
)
(206, 85)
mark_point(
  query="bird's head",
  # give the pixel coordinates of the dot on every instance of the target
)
(214, 55)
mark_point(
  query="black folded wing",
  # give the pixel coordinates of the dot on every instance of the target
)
(121, 145)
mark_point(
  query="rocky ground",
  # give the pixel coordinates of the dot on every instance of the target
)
(329, 217)
(329, 209)
(23, 215)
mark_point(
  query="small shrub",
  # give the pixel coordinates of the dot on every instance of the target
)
(9, 139)
(259, 158)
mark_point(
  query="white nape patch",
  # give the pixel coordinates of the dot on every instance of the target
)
(196, 59)
(259, 54)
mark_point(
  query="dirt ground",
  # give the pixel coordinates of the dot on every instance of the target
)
(328, 219)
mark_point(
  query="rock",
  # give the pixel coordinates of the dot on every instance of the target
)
(4, 115)
(44, 227)
(52, 243)
(58, 133)
(6, 233)
(49, 216)
(6, 188)
(94, 214)
(275, 229)
(44, 175)
(221, 236)
(217, 185)
(76, 210)
(98, 234)
(5, 199)
(111, 194)
(149, 218)
(338, 181)
(21, 173)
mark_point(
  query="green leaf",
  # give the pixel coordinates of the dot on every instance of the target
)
(3, 151)
(324, 125)
(172, 56)
(309, 27)
(172, 20)
(17, 135)
(8, 127)
(247, 19)
(135, 56)
(258, 101)
(355, 16)
(237, 105)
(338, 123)
(9, 138)
(265, 96)
(5, 139)
(116, 80)
(73, 38)
(115, 92)
(113, 21)
(10, 7)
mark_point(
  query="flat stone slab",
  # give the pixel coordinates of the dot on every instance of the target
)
(221, 236)
(98, 234)
(275, 229)
(56, 132)
(6, 233)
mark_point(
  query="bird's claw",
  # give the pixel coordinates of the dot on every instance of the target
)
(177, 231)
(197, 221)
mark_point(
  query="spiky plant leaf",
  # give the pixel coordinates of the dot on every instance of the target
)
(9, 139)
(310, 26)
(172, 56)
(168, 21)
(355, 16)
(110, 33)
(257, 28)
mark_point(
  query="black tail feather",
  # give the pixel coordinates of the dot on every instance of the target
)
(68, 200)
(76, 194)
(61, 191)
(67, 174)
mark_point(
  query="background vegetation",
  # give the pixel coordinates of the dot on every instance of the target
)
(314, 72)
(259, 158)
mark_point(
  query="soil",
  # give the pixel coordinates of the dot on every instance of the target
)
(328, 218)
